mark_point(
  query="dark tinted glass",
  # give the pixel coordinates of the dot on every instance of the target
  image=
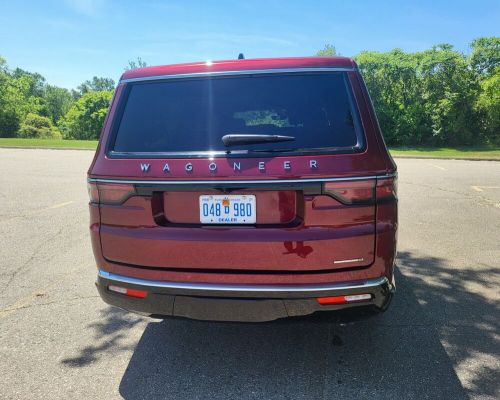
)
(191, 115)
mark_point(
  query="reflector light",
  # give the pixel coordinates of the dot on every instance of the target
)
(128, 292)
(352, 298)
(358, 297)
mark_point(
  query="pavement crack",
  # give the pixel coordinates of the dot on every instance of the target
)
(8, 310)
(32, 257)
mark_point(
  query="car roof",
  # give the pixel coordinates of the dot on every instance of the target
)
(240, 65)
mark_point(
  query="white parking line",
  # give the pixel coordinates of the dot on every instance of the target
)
(481, 188)
(60, 205)
(437, 166)
(29, 214)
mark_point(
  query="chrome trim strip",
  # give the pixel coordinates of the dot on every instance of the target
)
(239, 72)
(369, 283)
(228, 181)
(348, 261)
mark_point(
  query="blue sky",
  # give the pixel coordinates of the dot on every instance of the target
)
(69, 41)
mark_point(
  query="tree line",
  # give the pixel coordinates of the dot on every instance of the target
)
(435, 97)
(31, 108)
(438, 96)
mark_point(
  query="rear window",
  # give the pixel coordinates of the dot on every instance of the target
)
(190, 116)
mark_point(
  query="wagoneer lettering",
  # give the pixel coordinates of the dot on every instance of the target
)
(244, 190)
(212, 166)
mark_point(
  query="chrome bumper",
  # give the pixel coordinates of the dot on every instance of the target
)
(250, 303)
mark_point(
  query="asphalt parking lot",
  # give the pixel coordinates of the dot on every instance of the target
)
(440, 339)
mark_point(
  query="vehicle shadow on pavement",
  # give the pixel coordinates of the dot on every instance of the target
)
(109, 334)
(399, 354)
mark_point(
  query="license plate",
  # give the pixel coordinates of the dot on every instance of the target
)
(230, 209)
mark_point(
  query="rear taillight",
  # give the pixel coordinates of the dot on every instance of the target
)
(362, 191)
(109, 193)
(387, 189)
(114, 193)
(93, 192)
(351, 192)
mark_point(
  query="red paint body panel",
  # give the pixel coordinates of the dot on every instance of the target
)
(329, 232)
(298, 236)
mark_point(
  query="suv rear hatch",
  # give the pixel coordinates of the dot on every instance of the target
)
(312, 210)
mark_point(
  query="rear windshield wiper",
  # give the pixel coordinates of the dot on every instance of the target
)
(242, 138)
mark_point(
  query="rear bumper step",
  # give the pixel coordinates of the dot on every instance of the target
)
(250, 303)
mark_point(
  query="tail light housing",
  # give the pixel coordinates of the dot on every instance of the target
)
(109, 193)
(351, 192)
(387, 189)
(361, 192)
(93, 192)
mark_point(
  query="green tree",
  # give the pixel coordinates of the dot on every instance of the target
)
(57, 102)
(425, 97)
(449, 90)
(18, 97)
(85, 118)
(36, 82)
(488, 106)
(392, 81)
(485, 57)
(328, 50)
(96, 84)
(137, 63)
(9, 121)
(485, 60)
(37, 126)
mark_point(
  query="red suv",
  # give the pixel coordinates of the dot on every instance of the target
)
(243, 190)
